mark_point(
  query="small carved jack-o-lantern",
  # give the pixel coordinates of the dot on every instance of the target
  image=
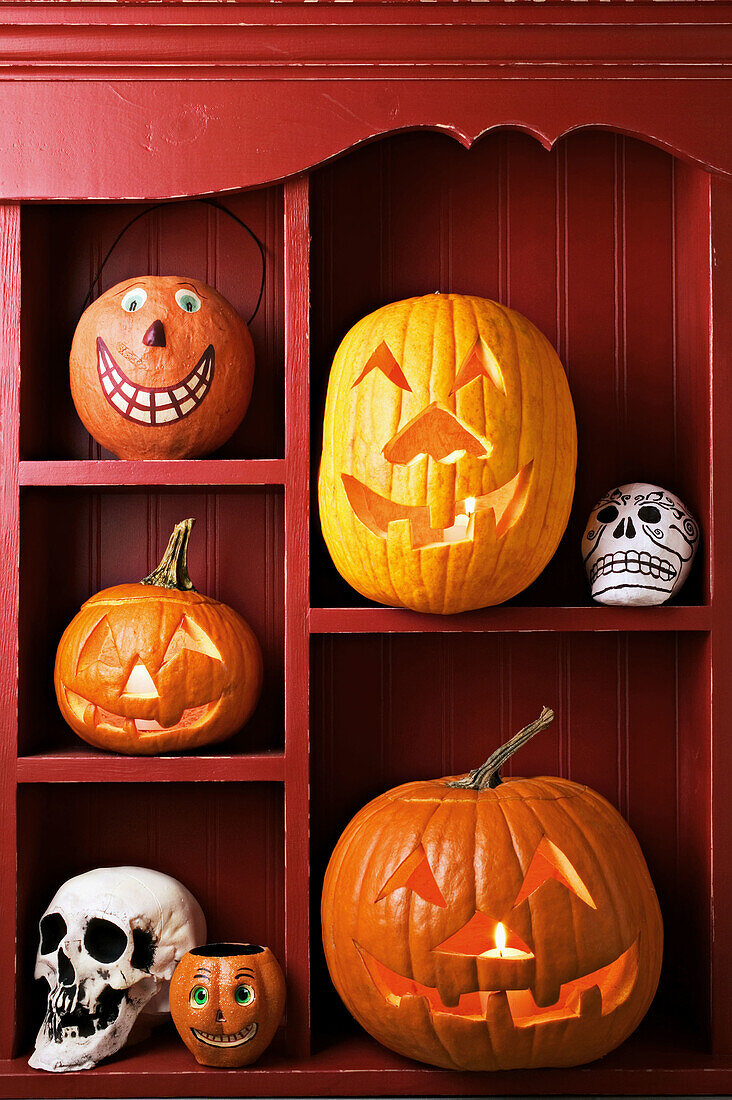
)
(484, 924)
(161, 367)
(638, 546)
(156, 667)
(227, 1001)
(449, 453)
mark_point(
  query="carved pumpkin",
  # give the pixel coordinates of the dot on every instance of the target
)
(227, 1001)
(479, 924)
(161, 367)
(157, 667)
(449, 452)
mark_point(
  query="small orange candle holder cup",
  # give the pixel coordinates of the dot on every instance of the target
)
(227, 1000)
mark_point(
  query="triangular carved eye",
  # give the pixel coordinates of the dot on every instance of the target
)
(383, 359)
(188, 635)
(548, 862)
(479, 362)
(99, 648)
(414, 873)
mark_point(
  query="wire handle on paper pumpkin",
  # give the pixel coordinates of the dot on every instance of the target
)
(158, 206)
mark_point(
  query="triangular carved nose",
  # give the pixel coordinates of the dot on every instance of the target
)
(155, 335)
(140, 682)
(436, 432)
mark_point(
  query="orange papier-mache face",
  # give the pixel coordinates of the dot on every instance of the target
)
(227, 1000)
(484, 928)
(156, 666)
(161, 367)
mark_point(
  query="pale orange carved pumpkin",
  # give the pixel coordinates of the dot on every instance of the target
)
(449, 454)
(161, 367)
(157, 667)
(479, 924)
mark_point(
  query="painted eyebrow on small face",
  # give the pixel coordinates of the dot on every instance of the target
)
(244, 973)
(195, 291)
(124, 289)
(203, 974)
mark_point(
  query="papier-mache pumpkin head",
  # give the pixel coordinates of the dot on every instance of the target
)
(161, 367)
(157, 667)
(449, 453)
(227, 1001)
(482, 924)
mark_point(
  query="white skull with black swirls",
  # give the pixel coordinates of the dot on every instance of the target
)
(638, 545)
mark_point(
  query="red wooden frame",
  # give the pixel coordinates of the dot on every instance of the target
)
(110, 104)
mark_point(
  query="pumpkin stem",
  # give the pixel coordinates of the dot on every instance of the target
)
(173, 569)
(489, 774)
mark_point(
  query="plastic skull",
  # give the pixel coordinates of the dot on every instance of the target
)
(110, 941)
(638, 545)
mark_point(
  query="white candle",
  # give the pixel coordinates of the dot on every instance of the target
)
(458, 531)
(500, 951)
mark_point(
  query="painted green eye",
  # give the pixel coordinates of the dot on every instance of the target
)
(199, 996)
(188, 301)
(244, 995)
(134, 299)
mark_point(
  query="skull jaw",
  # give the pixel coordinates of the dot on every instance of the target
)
(67, 1055)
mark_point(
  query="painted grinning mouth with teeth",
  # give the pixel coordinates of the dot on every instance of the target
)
(633, 561)
(151, 405)
(235, 1040)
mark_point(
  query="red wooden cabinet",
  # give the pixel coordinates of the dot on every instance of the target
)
(571, 160)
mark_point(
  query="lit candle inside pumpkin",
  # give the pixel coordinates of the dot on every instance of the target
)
(500, 951)
(459, 529)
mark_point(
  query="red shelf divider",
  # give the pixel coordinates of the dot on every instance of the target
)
(95, 767)
(393, 620)
(263, 471)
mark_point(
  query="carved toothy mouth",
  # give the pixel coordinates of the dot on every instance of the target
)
(149, 405)
(613, 984)
(377, 512)
(236, 1040)
(633, 561)
(97, 718)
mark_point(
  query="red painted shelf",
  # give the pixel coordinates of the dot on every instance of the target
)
(78, 473)
(392, 620)
(358, 1066)
(96, 767)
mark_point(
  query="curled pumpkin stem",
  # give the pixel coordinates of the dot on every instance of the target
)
(173, 569)
(489, 774)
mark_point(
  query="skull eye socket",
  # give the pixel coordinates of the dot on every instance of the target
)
(608, 514)
(53, 930)
(104, 940)
(649, 513)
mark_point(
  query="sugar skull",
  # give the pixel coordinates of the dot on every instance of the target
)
(227, 1001)
(161, 367)
(638, 545)
(109, 943)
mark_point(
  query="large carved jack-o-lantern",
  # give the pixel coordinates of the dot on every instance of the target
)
(449, 453)
(161, 367)
(156, 667)
(479, 924)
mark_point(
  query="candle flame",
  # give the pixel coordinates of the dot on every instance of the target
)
(469, 505)
(500, 938)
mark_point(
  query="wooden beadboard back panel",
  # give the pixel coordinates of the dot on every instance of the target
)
(588, 242)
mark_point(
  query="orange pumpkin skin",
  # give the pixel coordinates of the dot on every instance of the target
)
(219, 970)
(202, 375)
(200, 663)
(383, 941)
(441, 410)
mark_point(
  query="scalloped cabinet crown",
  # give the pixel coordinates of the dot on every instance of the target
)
(569, 159)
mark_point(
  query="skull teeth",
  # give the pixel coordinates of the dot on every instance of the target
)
(633, 561)
(235, 1040)
(147, 405)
